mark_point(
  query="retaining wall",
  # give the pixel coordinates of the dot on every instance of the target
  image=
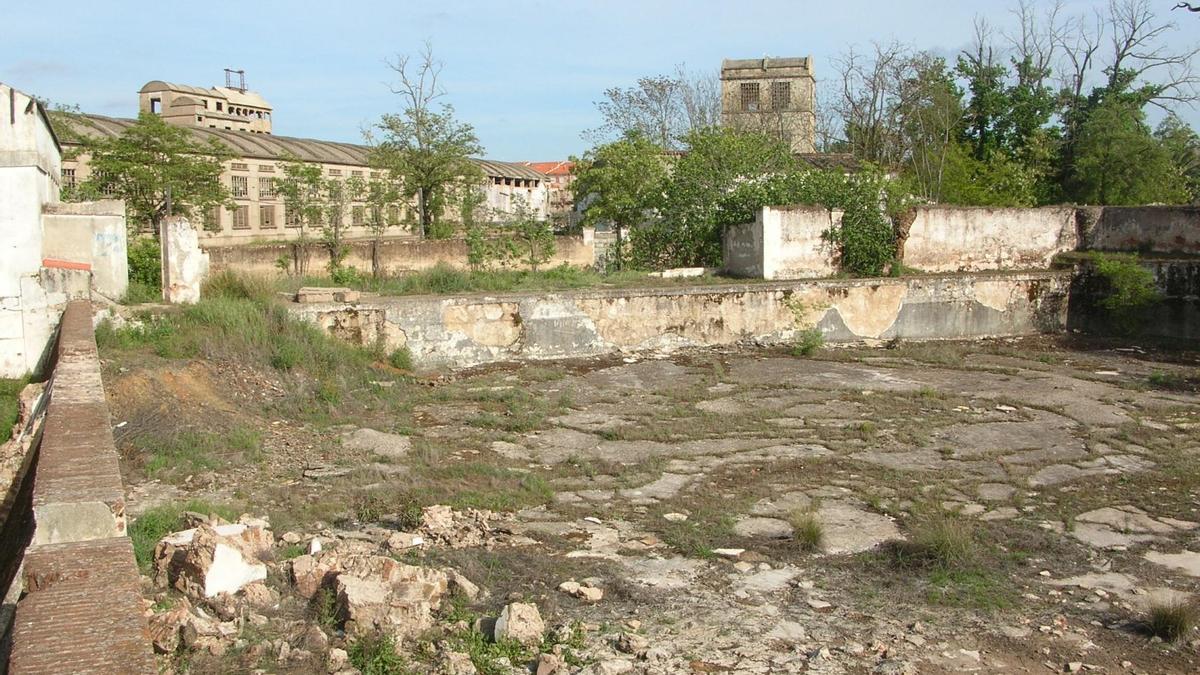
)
(1176, 317)
(396, 256)
(459, 331)
(82, 610)
(973, 239)
(786, 242)
(1148, 229)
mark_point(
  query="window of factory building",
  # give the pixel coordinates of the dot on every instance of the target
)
(750, 96)
(266, 217)
(356, 215)
(241, 218)
(240, 186)
(266, 187)
(68, 178)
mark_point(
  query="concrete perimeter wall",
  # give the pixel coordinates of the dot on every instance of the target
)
(470, 330)
(965, 239)
(397, 256)
(783, 242)
(1148, 229)
(786, 242)
(82, 610)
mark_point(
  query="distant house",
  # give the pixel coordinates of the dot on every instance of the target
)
(558, 180)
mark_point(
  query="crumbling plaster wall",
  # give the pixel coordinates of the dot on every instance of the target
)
(471, 330)
(972, 239)
(783, 242)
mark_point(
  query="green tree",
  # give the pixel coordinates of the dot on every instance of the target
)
(716, 161)
(1118, 161)
(1182, 144)
(334, 198)
(620, 183)
(424, 146)
(153, 165)
(932, 114)
(300, 187)
(529, 239)
(382, 197)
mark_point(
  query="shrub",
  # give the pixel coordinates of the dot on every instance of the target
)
(1171, 619)
(10, 393)
(1129, 289)
(377, 655)
(401, 359)
(145, 262)
(808, 341)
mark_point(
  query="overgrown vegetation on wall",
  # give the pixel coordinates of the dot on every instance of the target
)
(724, 178)
(1128, 289)
(237, 320)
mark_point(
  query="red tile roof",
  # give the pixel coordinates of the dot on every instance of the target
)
(551, 168)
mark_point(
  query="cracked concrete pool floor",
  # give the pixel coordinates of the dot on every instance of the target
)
(1079, 452)
(676, 482)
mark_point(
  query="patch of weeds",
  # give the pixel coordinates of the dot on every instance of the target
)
(1173, 382)
(290, 551)
(147, 529)
(808, 341)
(1129, 289)
(183, 452)
(324, 609)
(401, 359)
(10, 394)
(975, 588)
(494, 658)
(1171, 619)
(697, 536)
(376, 655)
(809, 532)
(866, 430)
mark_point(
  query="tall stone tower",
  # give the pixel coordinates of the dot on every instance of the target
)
(774, 96)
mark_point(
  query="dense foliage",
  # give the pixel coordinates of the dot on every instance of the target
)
(155, 167)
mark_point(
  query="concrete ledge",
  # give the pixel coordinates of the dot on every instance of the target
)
(83, 612)
(468, 330)
(77, 493)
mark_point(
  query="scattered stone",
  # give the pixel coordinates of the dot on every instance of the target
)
(204, 561)
(400, 541)
(521, 622)
(632, 643)
(585, 592)
(675, 517)
(318, 471)
(819, 605)
(549, 664)
(729, 552)
(337, 660)
(392, 446)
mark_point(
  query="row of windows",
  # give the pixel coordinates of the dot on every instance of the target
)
(519, 182)
(268, 216)
(751, 96)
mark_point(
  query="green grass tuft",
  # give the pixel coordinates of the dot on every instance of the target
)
(1172, 619)
(809, 532)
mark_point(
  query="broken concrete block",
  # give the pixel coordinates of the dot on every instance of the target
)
(205, 561)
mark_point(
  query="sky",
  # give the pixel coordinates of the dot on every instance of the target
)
(525, 73)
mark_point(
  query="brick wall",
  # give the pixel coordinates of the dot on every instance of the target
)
(82, 610)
